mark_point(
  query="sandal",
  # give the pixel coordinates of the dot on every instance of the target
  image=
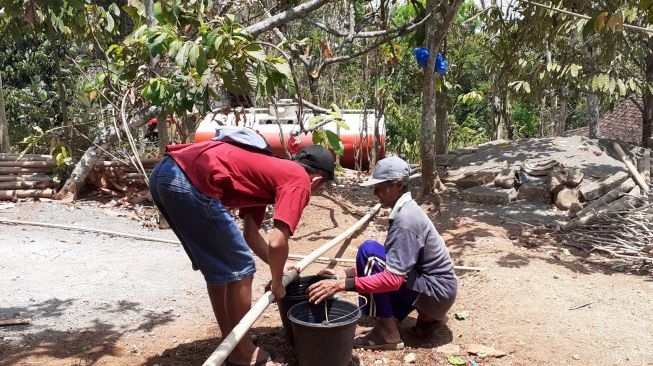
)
(375, 342)
(424, 329)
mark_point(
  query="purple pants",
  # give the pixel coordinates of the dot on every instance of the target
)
(370, 260)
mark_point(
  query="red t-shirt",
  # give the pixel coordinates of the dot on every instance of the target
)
(246, 180)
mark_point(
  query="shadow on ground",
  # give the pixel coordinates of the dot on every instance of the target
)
(87, 345)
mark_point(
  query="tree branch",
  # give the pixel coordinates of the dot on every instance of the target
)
(298, 11)
(374, 45)
(371, 34)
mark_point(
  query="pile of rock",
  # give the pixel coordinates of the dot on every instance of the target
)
(542, 180)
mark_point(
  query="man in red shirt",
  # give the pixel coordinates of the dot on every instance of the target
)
(194, 186)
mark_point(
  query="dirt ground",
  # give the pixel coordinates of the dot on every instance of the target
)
(95, 299)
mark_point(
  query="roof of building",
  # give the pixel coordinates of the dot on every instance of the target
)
(624, 123)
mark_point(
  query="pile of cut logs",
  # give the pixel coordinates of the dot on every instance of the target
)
(31, 175)
(618, 219)
(115, 175)
(26, 176)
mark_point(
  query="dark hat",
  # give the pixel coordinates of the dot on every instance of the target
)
(319, 158)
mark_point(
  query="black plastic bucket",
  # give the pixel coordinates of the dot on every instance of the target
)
(321, 343)
(295, 293)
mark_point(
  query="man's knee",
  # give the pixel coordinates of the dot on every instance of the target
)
(370, 247)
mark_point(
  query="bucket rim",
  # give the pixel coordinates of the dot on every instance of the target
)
(357, 315)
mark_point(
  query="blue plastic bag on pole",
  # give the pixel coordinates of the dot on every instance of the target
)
(422, 56)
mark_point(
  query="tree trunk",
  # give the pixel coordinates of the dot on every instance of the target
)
(441, 138)
(561, 125)
(497, 117)
(5, 145)
(435, 33)
(149, 13)
(647, 116)
(593, 115)
(109, 134)
(505, 116)
(162, 127)
(61, 91)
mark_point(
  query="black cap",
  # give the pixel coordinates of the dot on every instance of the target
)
(319, 158)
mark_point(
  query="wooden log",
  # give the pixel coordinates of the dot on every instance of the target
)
(15, 321)
(28, 164)
(638, 177)
(25, 193)
(26, 157)
(614, 194)
(21, 178)
(631, 200)
(644, 165)
(27, 185)
(18, 170)
(592, 191)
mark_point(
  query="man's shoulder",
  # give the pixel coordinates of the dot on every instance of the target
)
(410, 214)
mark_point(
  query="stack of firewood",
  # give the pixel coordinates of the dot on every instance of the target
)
(115, 176)
(618, 217)
(26, 176)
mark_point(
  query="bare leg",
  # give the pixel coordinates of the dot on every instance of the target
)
(230, 302)
(387, 329)
(218, 295)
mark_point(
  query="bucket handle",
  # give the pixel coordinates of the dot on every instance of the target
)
(347, 315)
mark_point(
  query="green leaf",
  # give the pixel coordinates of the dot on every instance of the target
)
(318, 136)
(461, 315)
(588, 28)
(110, 23)
(622, 87)
(174, 47)
(284, 69)
(314, 120)
(255, 51)
(527, 86)
(193, 54)
(156, 45)
(202, 62)
(573, 69)
(455, 360)
(115, 9)
(140, 8)
(341, 123)
(335, 142)
(182, 56)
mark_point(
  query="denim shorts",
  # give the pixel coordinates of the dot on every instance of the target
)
(206, 228)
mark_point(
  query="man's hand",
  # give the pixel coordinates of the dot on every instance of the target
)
(340, 274)
(324, 289)
(278, 290)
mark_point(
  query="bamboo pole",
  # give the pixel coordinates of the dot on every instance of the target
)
(28, 163)
(22, 178)
(633, 170)
(18, 170)
(87, 229)
(117, 163)
(347, 260)
(26, 185)
(26, 157)
(229, 342)
(25, 193)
